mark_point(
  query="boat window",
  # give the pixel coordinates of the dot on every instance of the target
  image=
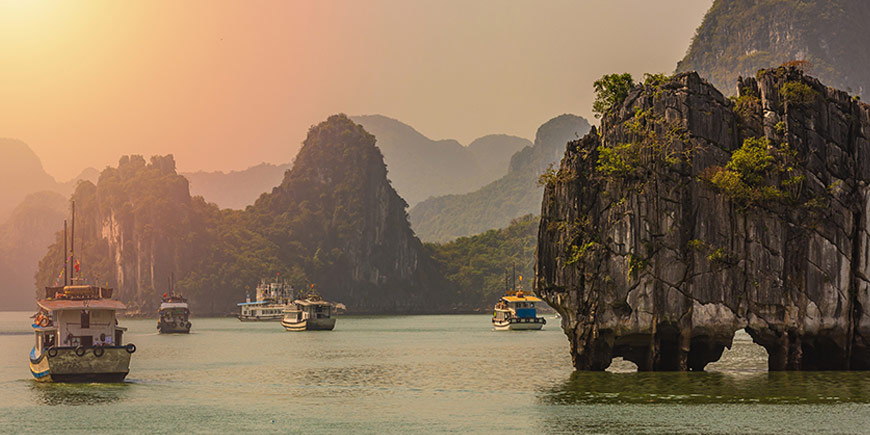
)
(85, 319)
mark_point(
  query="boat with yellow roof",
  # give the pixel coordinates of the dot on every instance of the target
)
(516, 311)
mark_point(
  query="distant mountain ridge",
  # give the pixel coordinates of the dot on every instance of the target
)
(24, 238)
(495, 205)
(420, 167)
(740, 37)
(236, 189)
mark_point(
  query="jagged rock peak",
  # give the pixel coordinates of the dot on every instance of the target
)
(688, 216)
(336, 216)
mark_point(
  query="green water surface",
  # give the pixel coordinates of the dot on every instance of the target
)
(412, 374)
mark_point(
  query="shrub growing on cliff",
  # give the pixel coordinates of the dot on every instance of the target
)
(797, 93)
(610, 90)
(745, 178)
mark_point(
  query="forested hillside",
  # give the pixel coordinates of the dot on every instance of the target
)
(334, 221)
(739, 37)
(476, 265)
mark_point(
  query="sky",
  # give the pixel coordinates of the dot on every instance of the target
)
(224, 85)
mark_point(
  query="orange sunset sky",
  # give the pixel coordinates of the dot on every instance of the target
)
(226, 85)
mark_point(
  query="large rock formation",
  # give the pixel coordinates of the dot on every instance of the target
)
(688, 216)
(741, 36)
(338, 219)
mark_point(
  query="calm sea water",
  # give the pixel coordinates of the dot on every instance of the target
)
(413, 374)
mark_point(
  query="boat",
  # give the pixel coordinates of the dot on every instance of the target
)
(271, 299)
(516, 311)
(309, 314)
(77, 334)
(174, 315)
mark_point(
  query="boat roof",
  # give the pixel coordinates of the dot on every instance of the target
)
(305, 302)
(80, 304)
(259, 303)
(166, 305)
(521, 299)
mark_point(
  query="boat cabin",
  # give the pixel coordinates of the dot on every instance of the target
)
(308, 309)
(76, 316)
(518, 305)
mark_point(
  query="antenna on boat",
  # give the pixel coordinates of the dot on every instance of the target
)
(65, 263)
(72, 242)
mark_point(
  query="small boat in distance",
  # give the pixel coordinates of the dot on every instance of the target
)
(174, 315)
(271, 299)
(77, 334)
(516, 311)
(309, 314)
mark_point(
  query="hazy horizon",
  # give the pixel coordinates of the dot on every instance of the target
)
(223, 86)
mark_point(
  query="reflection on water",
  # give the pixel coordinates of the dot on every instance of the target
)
(78, 394)
(703, 388)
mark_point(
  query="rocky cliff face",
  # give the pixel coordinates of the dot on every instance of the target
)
(134, 228)
(688, 216)
(742, 36)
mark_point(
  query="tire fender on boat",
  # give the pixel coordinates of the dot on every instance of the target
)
(52, 352)
(130, 348)
(99, 351)
(80, 351)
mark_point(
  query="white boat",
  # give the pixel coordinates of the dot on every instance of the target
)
(516, 312)
(310, 314)
(78, 338)
(271, 299)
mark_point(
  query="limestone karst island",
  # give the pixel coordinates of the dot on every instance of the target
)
(381, 216)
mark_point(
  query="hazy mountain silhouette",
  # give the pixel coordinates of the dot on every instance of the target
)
(420, 167)
(21, 173)
(514, 195)
(24, 238)
(236, 189)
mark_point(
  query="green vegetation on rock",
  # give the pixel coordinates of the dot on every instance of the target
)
(610, 90)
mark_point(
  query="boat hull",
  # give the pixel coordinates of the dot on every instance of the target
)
(515, 324)
(276, 318)
(66, 366)
(309, 325)
(173, 328)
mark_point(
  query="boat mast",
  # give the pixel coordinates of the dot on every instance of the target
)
(65, 263)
